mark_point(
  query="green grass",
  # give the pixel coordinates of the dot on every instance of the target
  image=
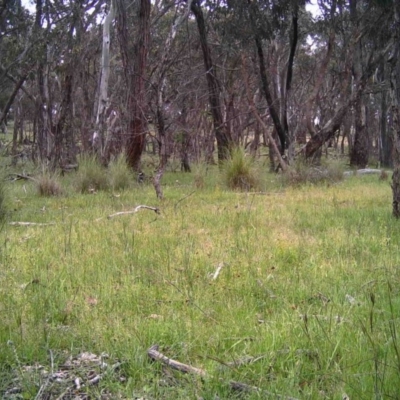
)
(292, 257)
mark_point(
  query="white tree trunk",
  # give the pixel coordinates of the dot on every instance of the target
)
(103, 100)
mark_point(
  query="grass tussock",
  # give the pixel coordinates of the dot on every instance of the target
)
(301, 173)
(91, 176)
(48, 185)
(240, 172)
(119, 173)
(200, 176)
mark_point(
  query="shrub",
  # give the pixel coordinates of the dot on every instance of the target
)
(120, 175)
(91, 176)
(48, 185)
(240, 171)
(300, 173)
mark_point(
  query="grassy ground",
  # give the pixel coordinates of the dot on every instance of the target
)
(309, 287)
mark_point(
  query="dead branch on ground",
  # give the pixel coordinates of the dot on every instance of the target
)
(21, 223)
(134, 211)
(155, 355)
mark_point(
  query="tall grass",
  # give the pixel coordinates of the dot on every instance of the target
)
(301, 173)
(91, 176)
(48, 184)
(120, 175)
(299, 268)
(240, 172)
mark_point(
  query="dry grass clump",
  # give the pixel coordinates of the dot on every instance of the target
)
(92, 176)
(301, 173)
(120, 175)
(199, 176)
(384, 176)
(48, 185)
(239, 171)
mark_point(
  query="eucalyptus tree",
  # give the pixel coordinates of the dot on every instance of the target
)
(360, 64)
(62, 28)
(134, 62)
(222, 135)
(395, 93)
(159, 82)
(17, 50)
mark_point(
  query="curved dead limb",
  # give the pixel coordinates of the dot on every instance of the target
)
(135, 210)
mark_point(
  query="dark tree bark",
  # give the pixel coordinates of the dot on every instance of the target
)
(137, 89)
(329, 130)
(268, 96)
(134, 69)
(395, 83)
(385, 150)
(289, 76)
(224, 140)
(280, 120)
(360, 151)
(64, 122)
(10, 101)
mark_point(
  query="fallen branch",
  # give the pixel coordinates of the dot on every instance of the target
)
(365, 171)
(155, 355)
(155, 209)
(22, 176)
(19, 223)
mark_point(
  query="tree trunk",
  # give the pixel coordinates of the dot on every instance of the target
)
(160, 84)
(224, 140)
(98, 140)
(359, 154)
(360, 149)
(396, 112)
(63, 127)
(137, 96)
(10, 101)
(385, 142)
(268, 96)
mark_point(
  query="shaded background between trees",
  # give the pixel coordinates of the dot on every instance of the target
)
(190, 79)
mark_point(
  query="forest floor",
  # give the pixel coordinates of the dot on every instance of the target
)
(287, 292)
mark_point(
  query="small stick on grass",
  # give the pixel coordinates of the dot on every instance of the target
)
(134, 211)
(218, 270)
(155, 355)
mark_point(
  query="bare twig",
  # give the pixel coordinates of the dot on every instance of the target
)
(134, 211)
(244, 361)
(183, 198)
(218, 270)
(23, 176)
